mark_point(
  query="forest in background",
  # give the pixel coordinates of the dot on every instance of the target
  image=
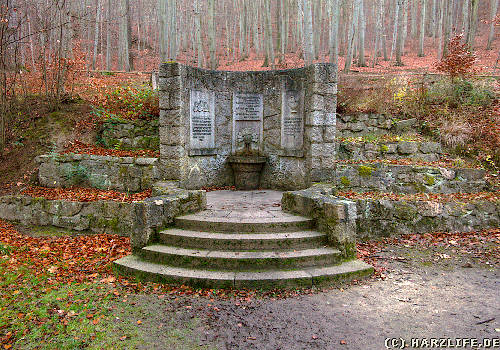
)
(123, 35)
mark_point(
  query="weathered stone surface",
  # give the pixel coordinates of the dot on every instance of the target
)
(426, 151)
(335, 217)
(407, 179)
(362, 124)
(100, 172)
(407, 147)
(138, 219)
(125, 134)
(233, 117)
(388, 218)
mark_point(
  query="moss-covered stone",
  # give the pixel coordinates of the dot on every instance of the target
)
(345, 181)
(429, 180)
(365, 171)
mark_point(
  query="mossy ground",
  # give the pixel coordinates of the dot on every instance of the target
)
(37, 312)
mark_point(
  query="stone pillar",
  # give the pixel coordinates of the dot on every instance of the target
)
(172, 124)
(321, 120)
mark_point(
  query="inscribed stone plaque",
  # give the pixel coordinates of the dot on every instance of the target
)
(248, 107)
(248, 112)
(292, 120)
(202, 120)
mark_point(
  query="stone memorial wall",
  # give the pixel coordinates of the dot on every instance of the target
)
(286, 116)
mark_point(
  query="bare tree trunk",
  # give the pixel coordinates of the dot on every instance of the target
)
(400, 34)
(440, 30)
(334, 31)
(163, 29)
(465, 18)
(473, 24)
(199, 45)
(447, 27)
(435, 19)
(493, 13)
(352, 35)
(212, 34)
(96, 32)
(405, 25)
(362, 29)
(422, 29)
(308, 33)
(397, 11)
(108, 37)
(414, 11)
(123, 38)
(384, 34)
(378, 6)
(269, 44)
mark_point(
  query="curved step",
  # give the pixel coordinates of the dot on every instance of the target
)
(245, 260)
(246, 241)
(306, 278)
(283, 223)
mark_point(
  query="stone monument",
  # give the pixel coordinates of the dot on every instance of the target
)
(287, 117)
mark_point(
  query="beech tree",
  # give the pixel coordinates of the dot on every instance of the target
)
(121, 34)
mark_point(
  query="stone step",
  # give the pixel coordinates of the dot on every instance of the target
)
(245, 241)
(282, 223)
(133, 266)
(245, 260)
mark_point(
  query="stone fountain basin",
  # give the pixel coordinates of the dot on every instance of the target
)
(247, 170)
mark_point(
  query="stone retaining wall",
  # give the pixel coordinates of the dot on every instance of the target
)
(125, 174)
(124, 134)
(383, 177)
(426, 151)
(384, 218)
(140, 220)
(334, 217)
(362, 124)
(346, 220)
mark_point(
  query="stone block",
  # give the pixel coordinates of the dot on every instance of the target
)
(317, 103)
(357, 127)
(315, 118)
(330, 134)
(170, 117)
(314, 134)
(324, 88)
(430, 147)
(170, 69)
(172, 152)
(146, 161)
(408, 147)
(172, 135)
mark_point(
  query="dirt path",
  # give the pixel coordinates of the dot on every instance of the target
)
(413, 301)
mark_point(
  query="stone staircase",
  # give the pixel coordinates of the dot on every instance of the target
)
(250, 248)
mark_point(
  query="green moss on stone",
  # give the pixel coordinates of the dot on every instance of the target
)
(365, 171)
(345, 181)
(384, 148)
(429, 180)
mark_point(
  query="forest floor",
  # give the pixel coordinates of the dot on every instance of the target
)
(58, 291)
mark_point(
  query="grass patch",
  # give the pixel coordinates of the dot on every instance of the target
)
(39, 314)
